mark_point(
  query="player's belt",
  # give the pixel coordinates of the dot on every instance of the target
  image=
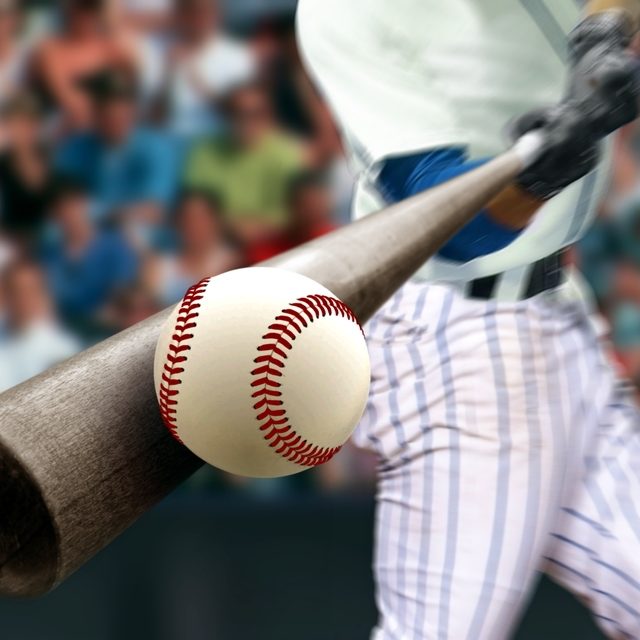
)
(544, 275)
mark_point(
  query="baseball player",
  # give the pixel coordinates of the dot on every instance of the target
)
(507, 445)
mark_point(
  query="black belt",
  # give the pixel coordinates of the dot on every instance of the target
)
(544, 275)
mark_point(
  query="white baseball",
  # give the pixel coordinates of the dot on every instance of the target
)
(262, 372)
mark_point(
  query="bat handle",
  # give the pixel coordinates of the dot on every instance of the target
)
(529, 148)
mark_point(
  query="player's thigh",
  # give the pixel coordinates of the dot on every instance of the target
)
(595, 544)
(457, 544)
(473, 456)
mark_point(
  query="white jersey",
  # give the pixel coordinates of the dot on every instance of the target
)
(412, 75)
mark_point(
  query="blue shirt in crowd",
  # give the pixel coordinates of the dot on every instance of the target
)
(81, 285)
(143, 169)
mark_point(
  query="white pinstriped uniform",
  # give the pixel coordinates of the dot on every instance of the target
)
(507, 445)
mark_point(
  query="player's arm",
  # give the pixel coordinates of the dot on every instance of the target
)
(405, 176)
(603, 95)
(603, 69)
(570, 153)
(604, 83)
(604, 77)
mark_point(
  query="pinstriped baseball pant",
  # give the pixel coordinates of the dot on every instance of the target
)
(507, 448)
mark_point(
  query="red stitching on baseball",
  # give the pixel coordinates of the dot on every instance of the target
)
(176, 357)
(273, 419)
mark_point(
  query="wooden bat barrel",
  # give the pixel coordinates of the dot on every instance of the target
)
(83, 452)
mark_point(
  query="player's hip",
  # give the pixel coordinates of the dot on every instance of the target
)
(443, 361)
(425, 312)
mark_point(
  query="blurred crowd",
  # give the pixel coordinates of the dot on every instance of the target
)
(143, 146)
(609, 256)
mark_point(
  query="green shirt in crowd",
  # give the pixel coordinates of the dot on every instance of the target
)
(252, 183)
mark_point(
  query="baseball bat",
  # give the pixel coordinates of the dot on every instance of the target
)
(83, 451)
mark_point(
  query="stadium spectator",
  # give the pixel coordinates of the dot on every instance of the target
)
(204, 249)
(129, 306)
(130, 170)
(297, 105)
(311, 216)
(299, 108)
(250, 166)
(88, 43)
(85, 265)
(204, 63)
(609, 258)
(609, 255)
(31, 340)
(625, 320)
(12, 49)
(625, 284)
(25, 175)
(94, 39)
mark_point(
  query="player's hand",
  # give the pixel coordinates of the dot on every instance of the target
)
(571, 148)
(605, 74)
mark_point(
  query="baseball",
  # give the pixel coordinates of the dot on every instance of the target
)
(262, 372)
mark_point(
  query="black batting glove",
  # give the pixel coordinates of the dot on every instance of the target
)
(603, 95)
(571, 148)
(605, 75)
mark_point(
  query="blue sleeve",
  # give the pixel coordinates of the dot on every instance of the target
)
(407, 176)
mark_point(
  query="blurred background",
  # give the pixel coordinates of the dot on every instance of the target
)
(145, 144)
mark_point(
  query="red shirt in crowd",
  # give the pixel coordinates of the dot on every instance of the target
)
(284, 241)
